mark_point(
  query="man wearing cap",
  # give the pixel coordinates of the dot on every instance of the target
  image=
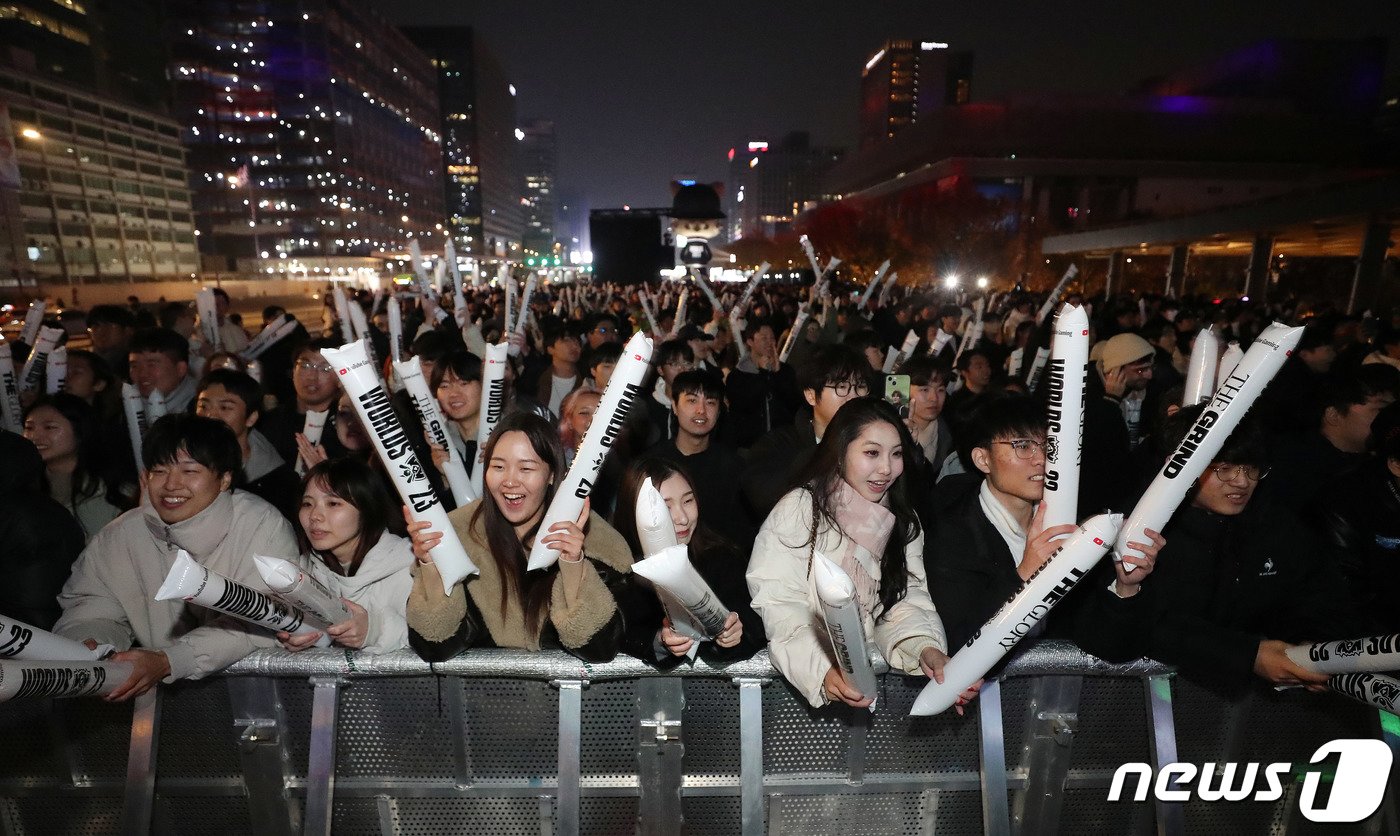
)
(701, 345)
(1112, 418)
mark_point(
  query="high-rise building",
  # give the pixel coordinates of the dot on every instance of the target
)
(312, 128)
(771, 183)
(56, 40)
(481, 179)
(538, 162)
(101, 193)
(906, 80)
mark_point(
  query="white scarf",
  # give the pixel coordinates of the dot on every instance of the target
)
(1003, 522)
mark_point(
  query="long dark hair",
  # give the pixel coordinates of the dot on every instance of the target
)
(823, 474)
(703, 538)
(96, 470)
(358, 484)
(532, 589)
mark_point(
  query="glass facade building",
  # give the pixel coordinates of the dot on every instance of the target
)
(312, 128)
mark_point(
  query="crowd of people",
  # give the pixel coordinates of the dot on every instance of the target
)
(769, 436)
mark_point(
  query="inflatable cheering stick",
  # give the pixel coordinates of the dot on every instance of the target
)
(1047, 587)
(841, 612)
(391, 442)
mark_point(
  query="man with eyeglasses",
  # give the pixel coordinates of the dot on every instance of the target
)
(985, 537)
(834, 375)
(604, 329)
(316, 388)
(1241, 578)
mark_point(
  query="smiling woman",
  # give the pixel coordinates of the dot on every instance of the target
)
(572, 604)
(852, 504)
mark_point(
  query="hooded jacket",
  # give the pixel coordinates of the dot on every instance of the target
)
(381, 585)
(785, 596)
(441, 626)
(110, 596)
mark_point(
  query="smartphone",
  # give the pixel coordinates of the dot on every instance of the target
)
(897, 393)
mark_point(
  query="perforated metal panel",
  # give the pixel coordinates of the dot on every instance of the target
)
(396, 728)
(465, 816)
(711, 815)
(798, 738)
(202, 816)
(512, 729)
(711, 729)
(607, 816)
(89, 816)
(609, 751)
(1114, 726)
(902, 744)
(197, 738)
(886, 814)
(356, 817)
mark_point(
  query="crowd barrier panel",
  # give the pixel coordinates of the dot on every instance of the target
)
(508, 742)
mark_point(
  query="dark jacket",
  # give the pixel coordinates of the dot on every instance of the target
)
(971, 574)
(1362, 518)
(1107, 479)
(41, 538)
(772, 464)
(1223, 584)
(712, 476)
(760, 401)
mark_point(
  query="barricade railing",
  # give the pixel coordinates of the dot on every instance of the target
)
(500, 742)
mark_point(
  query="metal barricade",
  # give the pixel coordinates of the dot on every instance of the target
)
(505, 742)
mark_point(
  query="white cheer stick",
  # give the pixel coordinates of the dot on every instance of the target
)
(10, 409)
(265, 337)
(708, 291)
(1383, 692)
(885, 291)
(38, 358)
(1042, 356)
(358, 321)
(459, 298)
(754, 279)
(1054, 298)
(891, 357)
(420, 273)
(940, 339)
(678, 321)
(793, 333)
(1200, 374)
(655, 531)
(361, 383)
(1375, 653)
(312, 427)
(134, 408)
(61, 679)
(1064, 437)
(188, 581)
(493, 407)
(396, 345)
(155, 407)
(1021, 612)
(841, 612)
(57, 371)
(874, 283)
(25, 641)
(524, 312)
(1229, 360)
(33, 319)
(342, 314)
(506, 279)
(301, 589)
(608, 423)
(208, 309)
(1222, 413)
(811, 257)
(255, 370)
(411, 373)
(696, 612)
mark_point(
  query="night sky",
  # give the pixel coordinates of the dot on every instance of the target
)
(643, 92)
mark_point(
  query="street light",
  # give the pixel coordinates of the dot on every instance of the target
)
(982, 282)
(951, 281)
(30, 133)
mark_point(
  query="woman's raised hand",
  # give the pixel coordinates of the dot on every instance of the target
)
(566, 537)
(837, 687)
(311, 454)
(933, 661)
(423, 540)
(733, 631)
(674, 642)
